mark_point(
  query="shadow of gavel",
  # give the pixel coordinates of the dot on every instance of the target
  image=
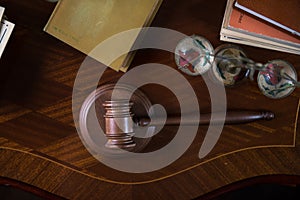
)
(120, 121)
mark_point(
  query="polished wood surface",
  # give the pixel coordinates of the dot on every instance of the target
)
(40, 146)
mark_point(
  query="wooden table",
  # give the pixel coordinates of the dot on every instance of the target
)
(42, 152)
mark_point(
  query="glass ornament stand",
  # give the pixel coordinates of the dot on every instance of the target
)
(195, 55)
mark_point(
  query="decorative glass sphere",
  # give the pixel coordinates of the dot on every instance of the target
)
(194, 55)
(277, 79)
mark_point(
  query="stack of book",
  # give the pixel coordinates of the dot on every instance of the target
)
(270, 24)
(6, 29)
(86, 24)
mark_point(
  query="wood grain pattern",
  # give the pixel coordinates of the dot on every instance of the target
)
(40, 146)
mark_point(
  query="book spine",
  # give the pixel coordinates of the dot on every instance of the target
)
(1, 12)
(53, 13)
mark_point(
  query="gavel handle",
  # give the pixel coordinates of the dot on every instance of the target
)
(232, 117)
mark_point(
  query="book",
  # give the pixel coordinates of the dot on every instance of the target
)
(255, 43)
(241, 27)
(6, 28)
(245, 22)
(284, 14)
(85, 24)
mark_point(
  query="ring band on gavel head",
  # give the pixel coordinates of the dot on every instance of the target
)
(119, 124)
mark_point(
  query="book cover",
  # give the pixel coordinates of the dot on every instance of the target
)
(284, 14)
(85, 24)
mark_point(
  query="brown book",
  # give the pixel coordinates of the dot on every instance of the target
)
(85, 24)
(284, 14)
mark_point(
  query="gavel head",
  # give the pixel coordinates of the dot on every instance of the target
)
(119, 124)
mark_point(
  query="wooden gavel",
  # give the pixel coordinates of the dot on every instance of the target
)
(119, 121)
